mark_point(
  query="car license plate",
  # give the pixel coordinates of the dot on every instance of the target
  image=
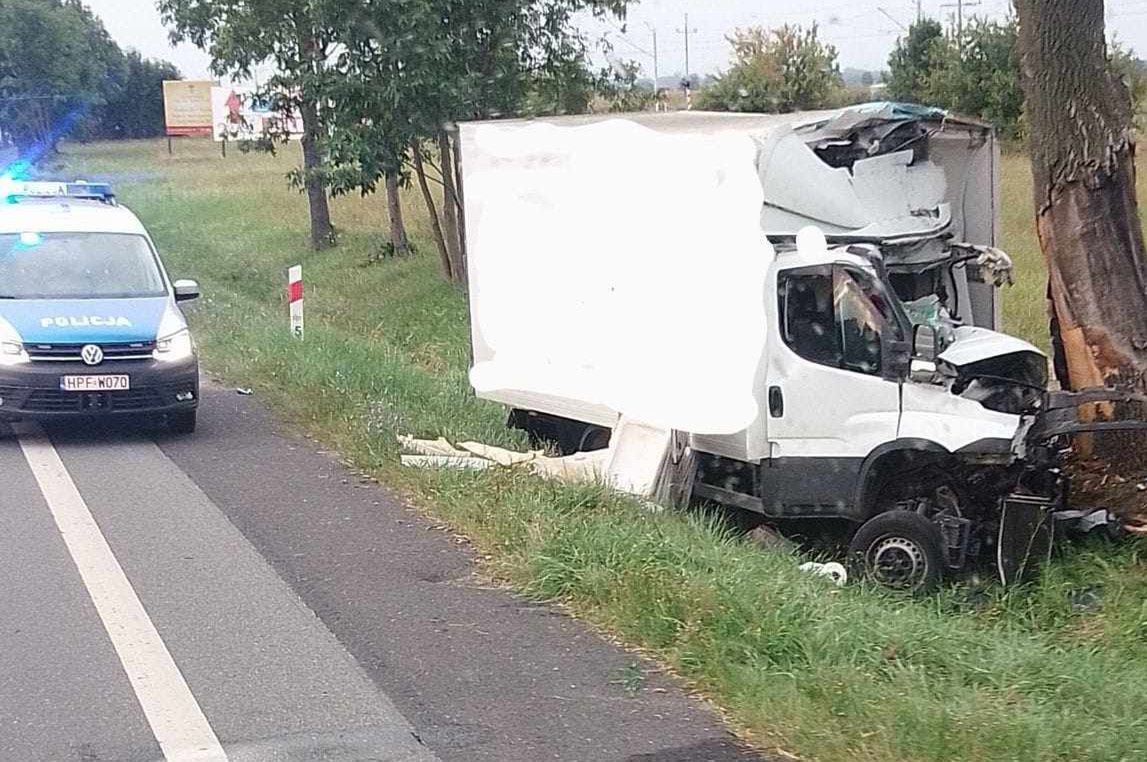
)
(95, 383)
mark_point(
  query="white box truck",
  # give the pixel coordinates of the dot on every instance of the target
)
(810, 302)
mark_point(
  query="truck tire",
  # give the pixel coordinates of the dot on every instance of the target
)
(901, 550)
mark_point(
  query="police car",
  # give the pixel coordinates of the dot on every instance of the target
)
(89, 321)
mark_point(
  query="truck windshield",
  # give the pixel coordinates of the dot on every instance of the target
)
(78, 266)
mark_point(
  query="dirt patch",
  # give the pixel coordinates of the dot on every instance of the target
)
(1120, 488)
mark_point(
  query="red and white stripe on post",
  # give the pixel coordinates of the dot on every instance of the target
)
(295, 298)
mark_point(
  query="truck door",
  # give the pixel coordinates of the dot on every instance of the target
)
(832, 396)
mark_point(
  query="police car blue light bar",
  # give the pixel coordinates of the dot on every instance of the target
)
(14, 190)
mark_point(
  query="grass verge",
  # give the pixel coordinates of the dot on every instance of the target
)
(1057, 671)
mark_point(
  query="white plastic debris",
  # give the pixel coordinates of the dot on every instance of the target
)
(499, 455)
(432, 447)
(445, 461)
(833, 570)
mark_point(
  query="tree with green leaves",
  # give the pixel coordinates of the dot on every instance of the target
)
(295, 39)
(776, 70)
(405, 70)
(57, 66)
(978, 77)
(135, 108)
(624, 93)
(914, 59)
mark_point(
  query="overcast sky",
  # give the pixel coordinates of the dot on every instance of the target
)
(861, 32)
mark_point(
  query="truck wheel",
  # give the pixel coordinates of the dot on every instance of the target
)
(182, 422)
(899, 550)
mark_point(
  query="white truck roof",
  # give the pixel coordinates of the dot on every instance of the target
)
(67, 215)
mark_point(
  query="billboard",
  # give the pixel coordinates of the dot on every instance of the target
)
(187, 107)
(237, 113)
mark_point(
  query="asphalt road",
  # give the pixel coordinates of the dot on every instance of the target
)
(237, 594)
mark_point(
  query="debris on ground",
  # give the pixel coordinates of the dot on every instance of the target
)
(767, 538)
(445, 461)
(642, 460)
(833, 570)
(1121, 490)
(244, 391)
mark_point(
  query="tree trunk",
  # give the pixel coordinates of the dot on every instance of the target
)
(322, 232)
(450, 206)
(435, 222)
(398, 240)
(1083, 163)
(460, 192)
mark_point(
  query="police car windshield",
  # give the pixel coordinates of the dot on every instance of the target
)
(78, 266)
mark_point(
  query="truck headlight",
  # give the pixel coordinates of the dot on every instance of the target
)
(175, 347)
(12, 353)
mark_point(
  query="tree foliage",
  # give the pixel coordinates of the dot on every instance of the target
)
(624, 94)
(61, 74)
(914, 59)
(134, 109)
(297, 41)
(776, 70)
(403, 69)
(979, 76)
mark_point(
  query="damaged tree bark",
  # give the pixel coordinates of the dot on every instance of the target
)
(1083, 164)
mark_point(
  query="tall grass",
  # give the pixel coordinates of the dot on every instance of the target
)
(1057, 671)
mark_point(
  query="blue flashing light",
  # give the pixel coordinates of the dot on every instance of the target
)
(30, 239)
(13, 190)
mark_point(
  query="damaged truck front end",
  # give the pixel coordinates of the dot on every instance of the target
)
(826, 348)
(974, 475)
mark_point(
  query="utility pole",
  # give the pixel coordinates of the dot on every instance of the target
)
(687, 82)
(656, 75)
(959, 5)
(919, 11)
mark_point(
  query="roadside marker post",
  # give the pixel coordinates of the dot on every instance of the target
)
(295, 298)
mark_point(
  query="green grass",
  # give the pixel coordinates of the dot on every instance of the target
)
(972, 673)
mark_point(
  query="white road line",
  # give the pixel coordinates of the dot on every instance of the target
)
(175, 716)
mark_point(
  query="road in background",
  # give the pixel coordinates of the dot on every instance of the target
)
(309, 615)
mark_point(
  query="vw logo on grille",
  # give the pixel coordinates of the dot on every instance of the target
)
(91, 355)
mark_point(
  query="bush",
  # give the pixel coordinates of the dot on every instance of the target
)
(778, 70)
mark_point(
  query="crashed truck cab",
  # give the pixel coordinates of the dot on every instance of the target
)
(809, 302)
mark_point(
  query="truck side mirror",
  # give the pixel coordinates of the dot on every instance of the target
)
(924, 343)
(923, 365)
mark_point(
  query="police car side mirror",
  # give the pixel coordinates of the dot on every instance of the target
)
(186, 290)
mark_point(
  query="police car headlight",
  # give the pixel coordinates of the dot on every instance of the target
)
(175, 347)
(12, 353)
(11, 346)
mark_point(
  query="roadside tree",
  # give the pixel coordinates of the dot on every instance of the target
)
(57, 66)
(1083, 163)
(241, 35)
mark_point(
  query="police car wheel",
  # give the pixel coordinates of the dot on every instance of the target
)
(182, 422)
